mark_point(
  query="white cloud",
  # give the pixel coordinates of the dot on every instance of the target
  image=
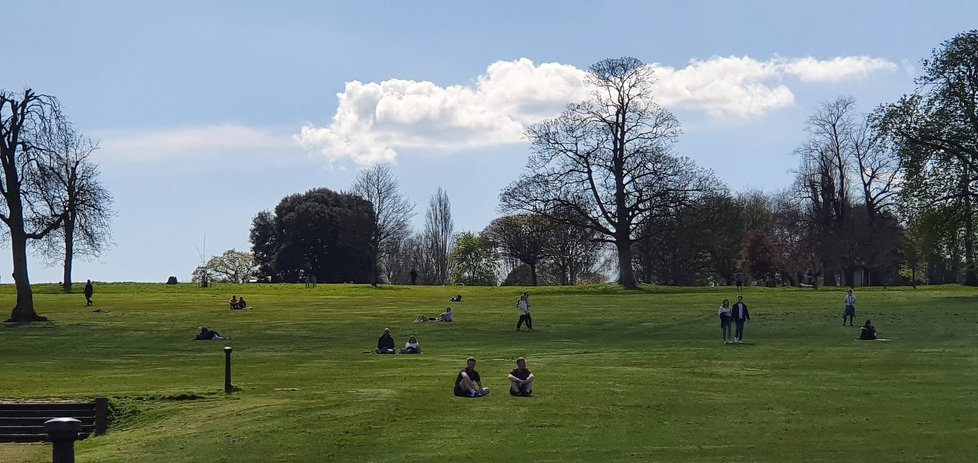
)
(216, 141)
(375, 120)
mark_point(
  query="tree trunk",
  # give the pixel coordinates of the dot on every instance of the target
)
(626, 275)
(69, 251)
(533, 273)
(23, 312)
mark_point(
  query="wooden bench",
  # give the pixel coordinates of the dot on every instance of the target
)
(24, 421)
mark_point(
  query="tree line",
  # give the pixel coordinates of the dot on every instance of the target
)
(881, 198)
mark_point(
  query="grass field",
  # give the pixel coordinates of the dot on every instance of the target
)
(621, 375)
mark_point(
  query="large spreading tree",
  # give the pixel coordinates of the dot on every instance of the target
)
(607, 163)
(319, 233)
(32, 206)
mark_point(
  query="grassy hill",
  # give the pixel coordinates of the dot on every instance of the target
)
(621, 375)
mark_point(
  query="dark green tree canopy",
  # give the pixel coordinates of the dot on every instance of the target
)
(319, 233)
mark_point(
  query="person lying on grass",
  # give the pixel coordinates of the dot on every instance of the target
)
(520, 379)
(412, 346)
(207, 334)
(468, 383)
(385, 344)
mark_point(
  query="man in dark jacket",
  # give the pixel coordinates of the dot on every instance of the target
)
(89, 290)
(385, 344)
(740, 315)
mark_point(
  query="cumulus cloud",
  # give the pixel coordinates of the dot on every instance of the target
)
(216, 141)
(374, 120)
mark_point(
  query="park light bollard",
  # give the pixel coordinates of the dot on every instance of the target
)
(228, 388)
(62, 433)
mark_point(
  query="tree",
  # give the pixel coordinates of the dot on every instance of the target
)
(231, 267)
(86, 229)
(473, 261)
(319, 233)
(935, 132)
(438, 227)
(32, 207)
(609, 160)
(524, 237)
(392, 210)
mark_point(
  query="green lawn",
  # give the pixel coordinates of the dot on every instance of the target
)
(621, 375)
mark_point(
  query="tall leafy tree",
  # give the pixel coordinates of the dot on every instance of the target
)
(935, 131)
(32, 206)
(318, 233)
(392, 212)
(524, 237)
(610, 160)
(473, 261)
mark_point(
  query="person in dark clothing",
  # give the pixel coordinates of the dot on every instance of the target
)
(89, 290)
(207, 334)
(739, 279)
(867, 332)
(467, 381)
(385, 344)
(414, 276)
(520, 379)
(740, 316)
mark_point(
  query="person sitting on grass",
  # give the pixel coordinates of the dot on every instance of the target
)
(385, 344)
(207, 334)
(234, 302)
(412, 346)
(867, 332)
(447, 315)
(241, 304)
(520, 379)
(467, 380)
(456, 298)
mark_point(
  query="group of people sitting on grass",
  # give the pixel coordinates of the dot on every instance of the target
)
(386, 345)
(468, 383)
(238, 303)
(445, 316)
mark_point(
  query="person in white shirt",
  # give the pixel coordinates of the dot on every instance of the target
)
(412, 346)
(850, 311)
(726, 319)
(523, 307)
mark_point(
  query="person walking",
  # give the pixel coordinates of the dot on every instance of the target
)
(726, 318)
(89, 291)
(740, 316)
(850, 311)
(523, 308)
(739, 279)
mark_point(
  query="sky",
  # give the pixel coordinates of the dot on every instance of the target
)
(208, 112)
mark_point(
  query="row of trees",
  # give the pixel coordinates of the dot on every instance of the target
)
(879, 198)
(51, 193)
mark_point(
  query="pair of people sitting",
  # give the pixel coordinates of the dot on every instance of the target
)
(237, 303)
(445, 316)
(867, 332)
(456, 298)
(207, 334)
(385, 344)
(468, 383)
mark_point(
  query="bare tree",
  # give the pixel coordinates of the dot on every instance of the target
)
(31, 207)
(438, 232)
(524, 237)
(392, 212)
(86, 230)
(609, 160)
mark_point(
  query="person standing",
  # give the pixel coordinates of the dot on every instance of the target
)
(414, 276)
(740, 316)
(726, 316)
(89, 291)
(739, 279)
(520, 379)
(523, 308)
(850, 311)
(467, 380)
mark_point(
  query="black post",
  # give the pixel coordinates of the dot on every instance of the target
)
(62, 433)
(228, 388)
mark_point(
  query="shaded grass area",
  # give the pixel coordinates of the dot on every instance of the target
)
(637, 375)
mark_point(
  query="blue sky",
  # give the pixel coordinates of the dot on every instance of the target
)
(200, 106)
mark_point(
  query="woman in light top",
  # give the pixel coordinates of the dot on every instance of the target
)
(412, 346)
(726, 317)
